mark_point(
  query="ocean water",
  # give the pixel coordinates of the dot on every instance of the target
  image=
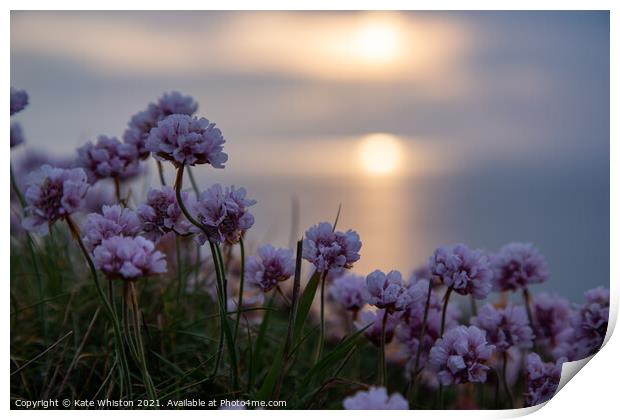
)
(401, 220)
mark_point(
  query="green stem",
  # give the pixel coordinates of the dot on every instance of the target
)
(505, 380)
(179, 270)
(444, 310)
(421, 336)
(383, 371)
(109, 310)
(241, 282)
(192, 181)
(160, 170)
(216, 256)
(322, 325)
(148, 382)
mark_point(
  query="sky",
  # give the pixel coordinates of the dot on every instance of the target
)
(428, 127)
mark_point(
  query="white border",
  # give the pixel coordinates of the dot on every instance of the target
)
(593, 395)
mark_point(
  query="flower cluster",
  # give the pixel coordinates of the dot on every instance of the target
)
(108, 158)
(141, 124)
(114, 221)
(387, 291)
(552, 328)
(350, 291)
(590, 321)
(223, 213)
(466, 271)
(185, 140)
(128, 258)
(506, 327)
(161, 214)
(542, 379)
(328, 249)
(270, 267)
(518, 265)
(19, 100)
(376, 398)
(51, 194)
(461, 356)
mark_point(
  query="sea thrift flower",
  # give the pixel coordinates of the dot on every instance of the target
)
(516, 266)
(350, 291)
(376, 398)
(52, 194)
(141, 124)
(17, 135)
(108, 158)
(161, 214)
(552, 316)
(270, 267)
(128, 258)
(224, 213)
(19, 100)
(542, 379)
(331, 250)
(387, 291)
(590, 321)
(412, 319)
(184, 140)
(460, 356)
(375, 320)
(506, 327)
(115, 221)
(466, 271)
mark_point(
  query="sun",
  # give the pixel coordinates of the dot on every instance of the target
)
(380, 154)
(377, 41)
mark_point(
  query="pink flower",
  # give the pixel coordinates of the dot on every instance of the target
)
(517, 265)
(184, 140)
(350, 291)
(108, 158)
(270, 267)
(141, 124)
(506, 327)
(376, 398)
(224, 213)
(461, 356)
(19, 100)
(466, 271)
(161, 213)
(387, 291)
(128, 258)
(542, 379)
(51, 194)
(115, 221)
(331, 250)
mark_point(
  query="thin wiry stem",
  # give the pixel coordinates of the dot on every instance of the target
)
(322, 326)
(241, 282)
(444, 310)
(291, 319)
(217, 261)
(383, 370)
(120, 348)
(160, 170)
(192, 181)
(505, 380)
(422, 334)
(148, 382)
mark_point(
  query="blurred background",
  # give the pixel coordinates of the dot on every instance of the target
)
(429, 128)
